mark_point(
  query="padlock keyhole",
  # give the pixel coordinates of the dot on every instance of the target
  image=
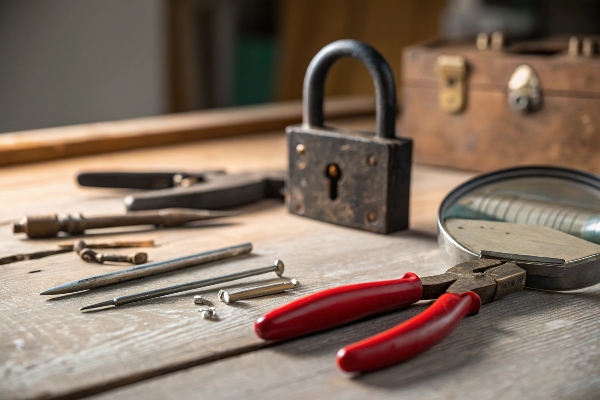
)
(333, 173)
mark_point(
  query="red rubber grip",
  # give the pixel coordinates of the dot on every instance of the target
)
(411, 337)
(337, 306)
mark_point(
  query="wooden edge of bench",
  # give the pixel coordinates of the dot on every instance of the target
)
(76, 140)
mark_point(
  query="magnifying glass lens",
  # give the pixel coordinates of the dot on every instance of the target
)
(562, 204)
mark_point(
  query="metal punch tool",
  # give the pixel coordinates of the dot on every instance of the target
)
(277, 267)
(149, 269)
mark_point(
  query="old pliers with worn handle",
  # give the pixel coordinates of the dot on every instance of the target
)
(208, 190)
(459, 292)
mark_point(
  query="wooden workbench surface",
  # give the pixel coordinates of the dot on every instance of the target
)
(532, 344)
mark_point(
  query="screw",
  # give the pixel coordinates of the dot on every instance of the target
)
(90, 255)
(278, 268)
(208, 312)
(87, 254)
(372, 217)
(258, 291)
(199, 300)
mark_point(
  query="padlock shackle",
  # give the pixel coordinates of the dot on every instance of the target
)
(383, 78)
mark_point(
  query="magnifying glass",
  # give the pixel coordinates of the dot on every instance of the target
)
(545, 219)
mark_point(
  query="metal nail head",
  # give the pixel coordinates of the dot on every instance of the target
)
(208, 312)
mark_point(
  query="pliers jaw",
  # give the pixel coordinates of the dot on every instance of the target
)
(489, 279)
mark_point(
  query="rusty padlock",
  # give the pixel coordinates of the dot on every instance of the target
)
(350, 178)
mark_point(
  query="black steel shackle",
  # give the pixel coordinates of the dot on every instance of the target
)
(383, 78)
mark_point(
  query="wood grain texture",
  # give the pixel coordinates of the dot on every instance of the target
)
(55, 143)
(529, 345)
(50, 349)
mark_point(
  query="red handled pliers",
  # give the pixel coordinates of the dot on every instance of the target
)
(459, 292)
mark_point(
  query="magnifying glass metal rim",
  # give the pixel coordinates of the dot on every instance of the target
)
(454, 252)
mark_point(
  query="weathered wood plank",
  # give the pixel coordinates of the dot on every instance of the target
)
(490, 135)
(533, 345)
(55, 143)
(49, 349)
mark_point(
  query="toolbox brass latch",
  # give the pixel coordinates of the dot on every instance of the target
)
(452, 72)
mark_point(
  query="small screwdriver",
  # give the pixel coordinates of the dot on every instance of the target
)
(37, 226)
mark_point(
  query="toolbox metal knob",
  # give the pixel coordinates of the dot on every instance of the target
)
(524, 92)
(346, 177)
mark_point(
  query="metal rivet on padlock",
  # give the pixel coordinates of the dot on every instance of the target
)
(350, 178)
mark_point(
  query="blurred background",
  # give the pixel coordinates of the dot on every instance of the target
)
(66, 62)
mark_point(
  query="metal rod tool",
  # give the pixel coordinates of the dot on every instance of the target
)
(278, 268)
(228, 297)
(150, 269)
(37, 226)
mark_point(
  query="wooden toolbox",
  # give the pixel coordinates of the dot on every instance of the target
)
(483, 105)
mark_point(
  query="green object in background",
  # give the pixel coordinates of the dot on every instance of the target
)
(255, 73)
